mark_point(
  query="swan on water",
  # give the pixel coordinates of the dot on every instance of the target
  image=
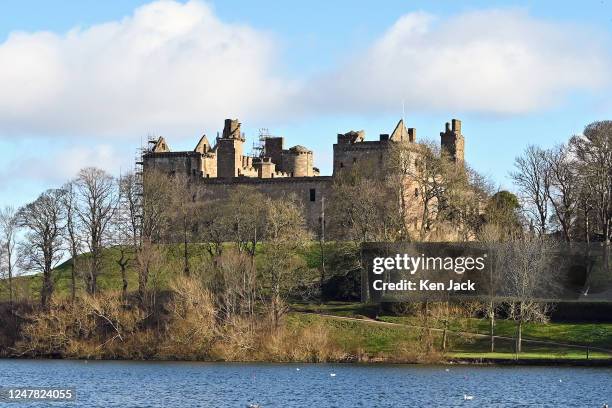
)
(332, 375)
(468, 397)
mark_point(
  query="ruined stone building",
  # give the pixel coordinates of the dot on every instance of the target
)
(276, 170)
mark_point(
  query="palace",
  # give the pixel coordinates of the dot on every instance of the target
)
(276, 170)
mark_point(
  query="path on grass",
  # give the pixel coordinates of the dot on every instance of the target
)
(463, 333)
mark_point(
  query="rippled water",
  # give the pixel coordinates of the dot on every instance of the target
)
(155, 384)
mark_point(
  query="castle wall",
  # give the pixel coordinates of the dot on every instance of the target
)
(209, 165)
(187, 163)
(305, 190)
(369, 156)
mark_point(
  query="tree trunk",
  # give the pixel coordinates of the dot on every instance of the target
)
(73, 278)
(124, 287)
(444, 336)
(94, 284)
(607, 255)
(275, 310)
(492, 327)
(10, 279)
(322, 277)
(519, 337)
(47, 288)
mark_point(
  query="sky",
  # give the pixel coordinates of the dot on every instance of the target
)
(84, 83)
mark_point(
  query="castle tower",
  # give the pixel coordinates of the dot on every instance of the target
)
(273, 148)
(452, 141)
(298, 162)
(229, 150)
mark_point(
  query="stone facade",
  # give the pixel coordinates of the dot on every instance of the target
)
(277, 171)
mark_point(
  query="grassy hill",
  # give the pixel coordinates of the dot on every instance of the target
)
(398, 341)
(28, 287)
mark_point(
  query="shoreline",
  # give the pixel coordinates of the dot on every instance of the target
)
(500, 362)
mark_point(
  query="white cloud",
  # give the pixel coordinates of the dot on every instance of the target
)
(177, 69)
(168, 67)
(494, 61)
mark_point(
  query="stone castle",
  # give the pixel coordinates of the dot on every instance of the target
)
(276, 171)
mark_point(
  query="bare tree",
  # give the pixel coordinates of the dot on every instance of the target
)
(148, 263)
(212, 228)
(401, 163)
(363, 208)
(155, 223)
(71, 231)
(436, 179)
(182, 210)
(528, 273)
(243, 218)
(465, 195)
(233, 283)
(593, 152)
(285, 234)
(8, 239)
(532, 177)
(562, 191)
(493, 283)
(98, 198)
(126, 225)
(501, 224)
(42, 247)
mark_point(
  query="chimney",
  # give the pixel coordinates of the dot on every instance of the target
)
(456, 125)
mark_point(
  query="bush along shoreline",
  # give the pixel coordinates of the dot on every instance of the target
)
(186, 323)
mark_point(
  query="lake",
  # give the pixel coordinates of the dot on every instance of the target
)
(179, 384)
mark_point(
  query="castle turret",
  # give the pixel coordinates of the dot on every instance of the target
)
(229, 150)
(452, 141)
(298, 162)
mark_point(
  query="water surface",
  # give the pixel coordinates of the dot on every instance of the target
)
(178, 384)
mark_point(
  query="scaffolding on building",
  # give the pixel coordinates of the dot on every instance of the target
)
(259, 146)
(139, 181)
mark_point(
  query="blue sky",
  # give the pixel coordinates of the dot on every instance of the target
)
(84, 81)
